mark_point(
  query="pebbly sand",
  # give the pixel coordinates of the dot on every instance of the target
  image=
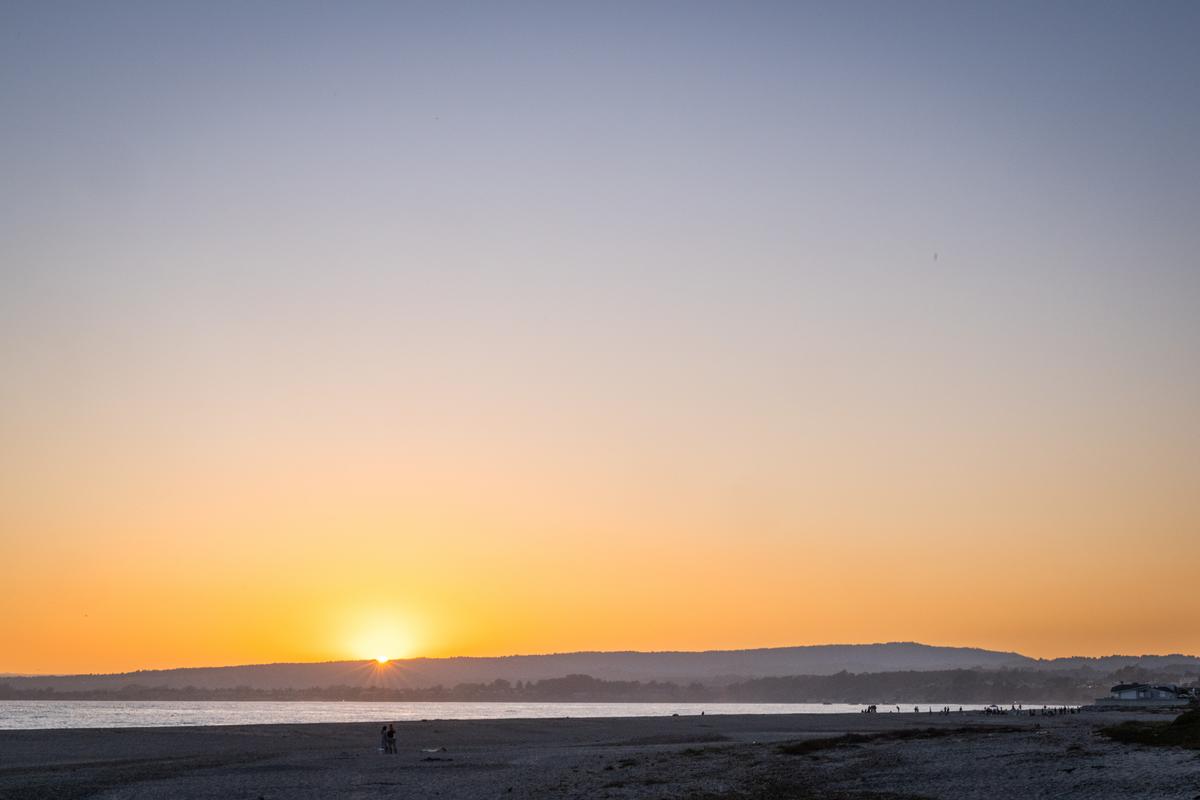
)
(959, 756)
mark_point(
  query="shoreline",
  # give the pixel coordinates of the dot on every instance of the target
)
(98, 714)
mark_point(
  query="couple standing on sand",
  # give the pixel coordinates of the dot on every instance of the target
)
(387, 739)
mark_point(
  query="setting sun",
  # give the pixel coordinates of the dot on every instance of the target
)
(378, 637)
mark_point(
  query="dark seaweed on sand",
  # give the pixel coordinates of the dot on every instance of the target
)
(808, 746)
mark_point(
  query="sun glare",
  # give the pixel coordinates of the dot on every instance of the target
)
(379, 638)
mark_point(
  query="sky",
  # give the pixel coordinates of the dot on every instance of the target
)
(422, 329)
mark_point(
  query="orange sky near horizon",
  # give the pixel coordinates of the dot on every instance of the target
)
(601, 544)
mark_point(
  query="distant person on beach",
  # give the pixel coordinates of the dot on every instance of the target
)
(383, 742)
(391, 738)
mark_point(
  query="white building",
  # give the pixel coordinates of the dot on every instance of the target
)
(1144, 691)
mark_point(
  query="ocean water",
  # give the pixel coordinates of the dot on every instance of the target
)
(40, 714)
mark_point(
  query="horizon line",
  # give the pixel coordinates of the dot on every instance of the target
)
(595, 652)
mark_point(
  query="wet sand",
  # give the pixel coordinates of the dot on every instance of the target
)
(969, 755)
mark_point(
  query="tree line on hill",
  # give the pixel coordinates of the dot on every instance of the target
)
(943, 686)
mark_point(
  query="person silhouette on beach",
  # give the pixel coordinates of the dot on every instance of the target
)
(383, 740)
(391, 739)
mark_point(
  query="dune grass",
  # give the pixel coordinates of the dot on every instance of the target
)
(1183, 731)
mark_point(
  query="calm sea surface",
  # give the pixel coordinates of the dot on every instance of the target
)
(21, 714)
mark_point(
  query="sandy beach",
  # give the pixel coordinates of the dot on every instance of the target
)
(967, 755)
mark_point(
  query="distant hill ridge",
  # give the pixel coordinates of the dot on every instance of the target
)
(710, 667)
